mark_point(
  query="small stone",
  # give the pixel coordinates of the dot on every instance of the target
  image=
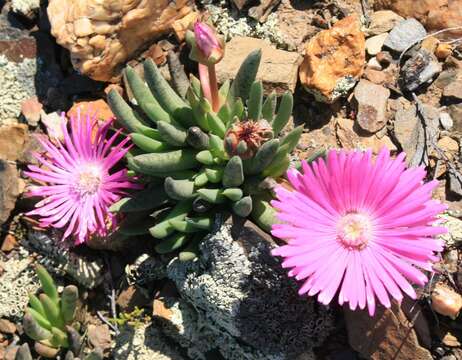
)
(7, 327)
(9, 243)
(27, 8)
(372, 105)
(446, 121)
(52, 122)
(99, 336)
(455, 111)
(99, 107)
(131, 297)
(382, 21)
(334, 60)
(180, 26)
(384, 58)
(374, 44)
(10, 352)
(375, 76)
(83, 27)
(453, 92)
(443, 51)
(446, 301)
(12, 140)
(449, 357)
(374, 64)
(455, 182)
(31, 108)
(448, 144)
(9, 189)
(404, 34)
(420, 69)
(430, 44)
(277, 71)
(386, 335)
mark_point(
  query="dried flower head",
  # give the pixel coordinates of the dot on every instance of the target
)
(358, 227)
(244, 138)
(79, 188)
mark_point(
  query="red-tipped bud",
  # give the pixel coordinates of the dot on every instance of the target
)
(207, 48)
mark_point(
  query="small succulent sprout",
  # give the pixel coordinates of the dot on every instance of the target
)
(206, 152)
(46, 319)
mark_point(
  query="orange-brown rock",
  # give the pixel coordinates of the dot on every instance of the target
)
(433, 14)
(98, 107)
(334, 60)
(102, 35)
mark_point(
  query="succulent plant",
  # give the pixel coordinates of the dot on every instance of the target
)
(49, 316)
(200, 161)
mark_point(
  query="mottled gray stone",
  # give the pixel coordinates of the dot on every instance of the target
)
(404, 34)
(420, 69)
(247, 306)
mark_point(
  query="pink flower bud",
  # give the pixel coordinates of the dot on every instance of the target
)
(207, 42)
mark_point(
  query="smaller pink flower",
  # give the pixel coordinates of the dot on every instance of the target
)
(78, 185)
(208, 43)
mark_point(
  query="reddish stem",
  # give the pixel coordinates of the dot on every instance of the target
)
(214, 88)
(205, 82)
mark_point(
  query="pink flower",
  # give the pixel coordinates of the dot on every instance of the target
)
(79, 188)
(358, 227)
(208, 44)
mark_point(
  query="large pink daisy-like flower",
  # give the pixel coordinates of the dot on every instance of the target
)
(79, 188)
(358, 227)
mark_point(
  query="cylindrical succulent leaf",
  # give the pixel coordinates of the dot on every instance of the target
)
(35, 304)
(69, 299)
(173, 242)
(263, 214)
(234, 194)
(172, 134)
(269, 107)
(47, 351)
(292, 138)
(164, 228)
(125, 115)
(216, 126)
(191, 250)
(205, 157)
(214, 175)
(197, 139)
(213, 196)
(184, 227)
(255, 102)
(262, 158)
(33, 329)
(150, 198)
(246, 76)
(156, 163)
(204, 223)
(75, 340)
(179, 189)
(243, 207)
(52, 311)
(59, 338)
(41, 319)
(201, 179)
(284, 113)
(48, 285)
(147, 144)
(233, 175)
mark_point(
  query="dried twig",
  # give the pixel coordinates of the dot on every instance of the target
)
(365, 10)
(112, 296)
(108, 323)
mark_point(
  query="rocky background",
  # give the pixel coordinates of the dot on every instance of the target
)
(365, 74)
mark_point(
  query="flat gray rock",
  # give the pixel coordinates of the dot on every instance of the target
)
(404, 34)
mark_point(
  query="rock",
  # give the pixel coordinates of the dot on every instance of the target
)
(384, 58)
(404, 34)
(373, 64)
(455, 182)
(9, 243)
(415, 313)
(446, 301)
(430, 44)
(334, 60)
(372, 105)
(145, 342)
(99, 336)
(52, 122)
(240, 293)
(32, 146)
(7, 327)
(455, 111)
(448, 144)
(446, 121)
(98, 107)
(386, 335)
(452, 93)
(27, 8)
(278, 68)
(102, 35)
(12, 140)
(16, 283)
(433, 14)
(381, 22)
(181, 25)
(376, 76)
(9, 189)
(454, 235)
(450, 340)
(10, 352)
(146, 269)
(420, 69)
(443, 51)
(410, 133)
(374, 44)
(30, 109)
(131, 297)
(352, 137)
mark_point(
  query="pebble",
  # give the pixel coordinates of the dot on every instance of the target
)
(446, 121)
(382, 21)
(374, 44)
(384, 58)
(374, 64)
(404, 34)
(372, 105)
(420, 69)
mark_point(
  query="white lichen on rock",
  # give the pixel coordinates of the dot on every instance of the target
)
(230, 27)
(143, 343)
(16, 85)
(241, 296)
(25, 7)
(454, 226)
(17, 281)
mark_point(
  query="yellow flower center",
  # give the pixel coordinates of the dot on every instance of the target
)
(89, 180)
(354, 231)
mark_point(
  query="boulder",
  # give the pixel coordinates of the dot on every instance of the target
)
(334, 60)
(372, 105)
(433, 14)
(102, 35)
(278, 68)
(247, 306)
